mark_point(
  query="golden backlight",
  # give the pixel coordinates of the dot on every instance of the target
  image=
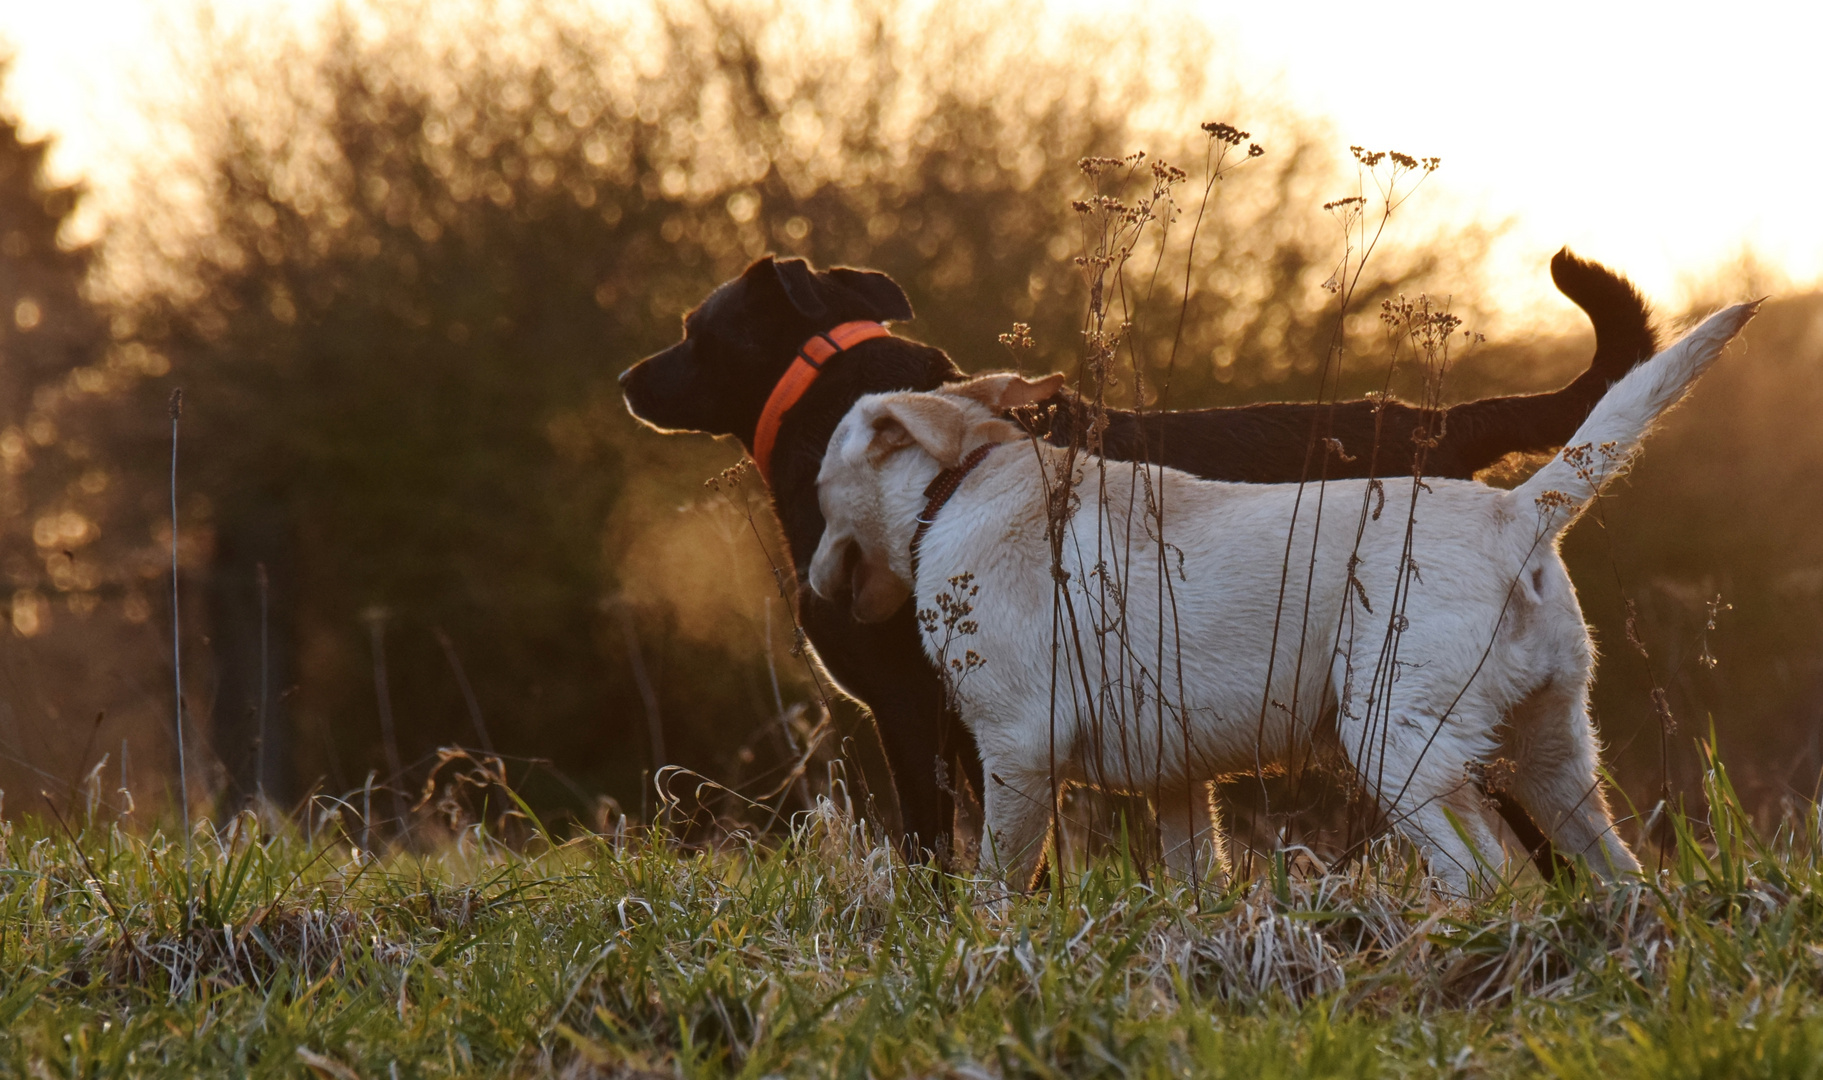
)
(1671, 145)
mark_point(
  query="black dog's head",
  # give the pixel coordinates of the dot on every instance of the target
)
(738, 343)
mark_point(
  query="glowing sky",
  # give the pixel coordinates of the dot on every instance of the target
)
(1664, 144)
(1660, 138)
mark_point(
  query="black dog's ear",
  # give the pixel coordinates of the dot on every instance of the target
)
(886, 302)
(761, 267)
(791, 275)
(801, 287)
(857, 293)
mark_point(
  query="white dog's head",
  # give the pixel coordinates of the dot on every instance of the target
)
(871, 493)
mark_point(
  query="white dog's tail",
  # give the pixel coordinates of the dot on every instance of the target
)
(1603, 445)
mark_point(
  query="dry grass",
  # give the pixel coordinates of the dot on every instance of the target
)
(825, 955)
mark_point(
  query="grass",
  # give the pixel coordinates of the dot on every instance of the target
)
(819, 954)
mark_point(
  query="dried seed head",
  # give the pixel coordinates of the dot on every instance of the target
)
(1633, 637)
(1227, 133)
(1095, 166)
(1396, 311)
(1716, 607)
(1494, 778)
(1167, 172)
(1401, 161)
(730, 477)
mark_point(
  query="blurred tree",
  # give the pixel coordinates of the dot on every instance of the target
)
(424, 259)
(79, 669)
(48, 334)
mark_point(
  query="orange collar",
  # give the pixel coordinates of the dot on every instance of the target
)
(797, 379)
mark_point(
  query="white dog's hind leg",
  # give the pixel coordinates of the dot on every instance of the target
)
(1419, 776)
(1189, 830)
(1017, 805)
(1556, 779)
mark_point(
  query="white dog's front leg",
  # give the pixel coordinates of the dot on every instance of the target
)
(1018, 807)
(1449, 824)
(1411, 750)
(1189, 830)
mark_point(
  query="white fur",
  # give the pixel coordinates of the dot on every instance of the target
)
(1492, 659)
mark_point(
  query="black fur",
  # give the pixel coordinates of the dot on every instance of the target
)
(1268, 444)
(740, 340)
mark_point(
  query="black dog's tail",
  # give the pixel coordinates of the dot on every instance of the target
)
(1622, 318)
(1480, 433)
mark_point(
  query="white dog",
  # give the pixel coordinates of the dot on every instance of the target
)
(1186, 639)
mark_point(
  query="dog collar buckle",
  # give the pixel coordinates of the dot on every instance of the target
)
(797, 379)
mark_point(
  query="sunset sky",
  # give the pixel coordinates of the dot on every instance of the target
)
(1665, 146)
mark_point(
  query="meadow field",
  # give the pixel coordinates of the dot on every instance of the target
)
(378, 699)
(816, 952)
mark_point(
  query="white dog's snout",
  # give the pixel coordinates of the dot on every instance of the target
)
(827, 579)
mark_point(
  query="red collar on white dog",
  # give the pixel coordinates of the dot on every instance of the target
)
(938, 492)
(797, 379)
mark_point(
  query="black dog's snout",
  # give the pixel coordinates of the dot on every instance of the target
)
(628, 374)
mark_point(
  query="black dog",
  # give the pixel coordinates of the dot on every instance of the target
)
(741, 341)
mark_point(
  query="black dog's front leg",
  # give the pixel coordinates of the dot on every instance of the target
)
(883, 666)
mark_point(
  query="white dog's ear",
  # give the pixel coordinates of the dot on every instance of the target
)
(1006, 390)
(994, 430)
(935, 424)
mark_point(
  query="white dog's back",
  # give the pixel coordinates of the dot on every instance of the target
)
(1141, 618)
